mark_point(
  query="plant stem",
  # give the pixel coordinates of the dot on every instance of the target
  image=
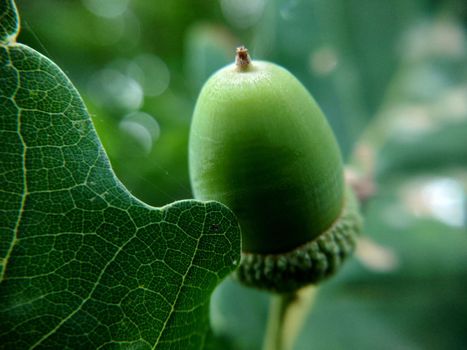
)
(287, 312)
(273, 339)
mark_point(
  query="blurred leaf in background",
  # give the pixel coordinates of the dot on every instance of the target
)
(391, 76)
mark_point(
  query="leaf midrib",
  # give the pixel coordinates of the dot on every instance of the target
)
(171, 312)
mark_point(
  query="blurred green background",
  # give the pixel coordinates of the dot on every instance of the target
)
(391, 76)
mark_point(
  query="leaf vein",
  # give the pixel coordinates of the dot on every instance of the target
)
(24, 193)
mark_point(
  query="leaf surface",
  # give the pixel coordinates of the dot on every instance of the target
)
(84, 264)
(9, 23)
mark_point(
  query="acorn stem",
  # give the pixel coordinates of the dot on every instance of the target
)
(287, 313)
(242, 57)
(274, 336)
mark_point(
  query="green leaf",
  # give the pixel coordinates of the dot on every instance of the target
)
(8, 21)
(84, 264)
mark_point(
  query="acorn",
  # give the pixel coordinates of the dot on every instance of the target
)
(260, 144)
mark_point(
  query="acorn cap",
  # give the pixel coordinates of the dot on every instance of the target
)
(309, 263)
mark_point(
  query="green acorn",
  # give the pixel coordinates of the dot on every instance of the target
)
(260, 144)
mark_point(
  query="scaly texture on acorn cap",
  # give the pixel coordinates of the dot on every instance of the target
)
(309, 263)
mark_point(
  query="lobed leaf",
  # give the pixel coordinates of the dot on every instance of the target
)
(84, 264)
(9, 24)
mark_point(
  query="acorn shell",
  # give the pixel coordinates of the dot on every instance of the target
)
(260, 144)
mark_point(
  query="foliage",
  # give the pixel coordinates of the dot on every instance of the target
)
(84, 263)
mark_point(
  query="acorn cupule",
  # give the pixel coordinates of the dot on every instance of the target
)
(309, 263)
